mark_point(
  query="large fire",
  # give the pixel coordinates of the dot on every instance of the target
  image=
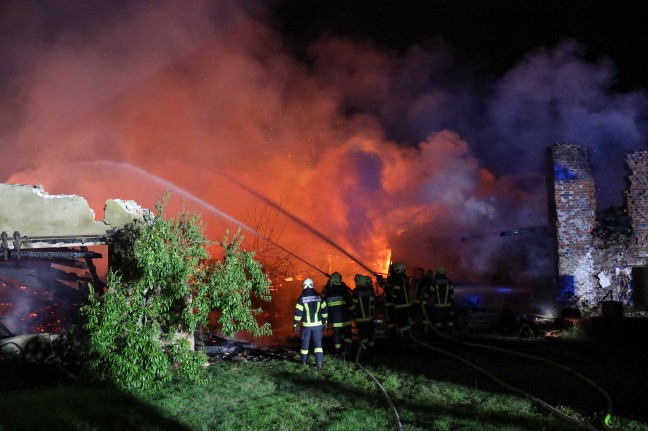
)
(177, 111)
(127, 111)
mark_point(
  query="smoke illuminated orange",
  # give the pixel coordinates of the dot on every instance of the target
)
(208, 97)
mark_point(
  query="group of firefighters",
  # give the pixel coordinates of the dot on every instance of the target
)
(426, 299)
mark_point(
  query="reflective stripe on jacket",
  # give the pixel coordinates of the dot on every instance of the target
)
(363, 302)
(340, 304)
(443, 292)
(310, 309)
(400, 290)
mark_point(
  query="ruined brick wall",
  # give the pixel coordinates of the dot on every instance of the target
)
(637, 201)
(592, 266)
(575, 200)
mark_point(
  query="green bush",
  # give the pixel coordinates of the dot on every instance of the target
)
(162, 289)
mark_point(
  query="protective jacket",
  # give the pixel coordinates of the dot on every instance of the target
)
(399, 283)
(442, 291)
(310, 309)
(363, 302)
(340, 304)
(399, 289)
(438, 300)
(427, 290)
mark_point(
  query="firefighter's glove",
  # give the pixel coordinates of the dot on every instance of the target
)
(296, 329)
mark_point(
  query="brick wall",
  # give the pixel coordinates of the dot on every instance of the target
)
(583, 258)
(637, 201)
(575, 203)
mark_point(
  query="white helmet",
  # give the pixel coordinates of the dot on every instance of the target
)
(308, 283)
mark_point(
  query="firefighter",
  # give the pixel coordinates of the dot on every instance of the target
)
(427, 300)
(443, 308)
(311, 311)
(415, 289)
(363, 302)
(340, 305)
(388, 302)
(398, 284)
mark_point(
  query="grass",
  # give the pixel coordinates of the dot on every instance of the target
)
(431, 391)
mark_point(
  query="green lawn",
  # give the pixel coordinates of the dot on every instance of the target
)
(279, 395)
(430, 391)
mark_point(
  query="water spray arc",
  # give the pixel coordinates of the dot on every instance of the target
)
(212, 208)
(294, 218)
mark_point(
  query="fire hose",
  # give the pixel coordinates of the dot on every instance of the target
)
(608, 399)
(384, 392)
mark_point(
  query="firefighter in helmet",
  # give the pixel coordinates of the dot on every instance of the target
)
(388, 301)
(363, 302)
(397, 284)
(311, 311)
(340, 305)
(415, 290)
(443, 307)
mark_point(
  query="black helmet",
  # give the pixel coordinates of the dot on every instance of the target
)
(398, 268)
(336, 278)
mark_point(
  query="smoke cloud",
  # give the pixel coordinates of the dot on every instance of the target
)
(412, 152)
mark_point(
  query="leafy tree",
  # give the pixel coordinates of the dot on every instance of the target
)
(162, 288)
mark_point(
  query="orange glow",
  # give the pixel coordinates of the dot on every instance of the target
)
(383, 265)
(197, 116)
(175, 111)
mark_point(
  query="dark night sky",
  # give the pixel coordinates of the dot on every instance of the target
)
(496, 33)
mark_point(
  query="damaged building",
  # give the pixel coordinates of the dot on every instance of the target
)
(601, 268)
(49, 248)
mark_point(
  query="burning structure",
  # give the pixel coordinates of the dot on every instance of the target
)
(49, 244)
(599, 262)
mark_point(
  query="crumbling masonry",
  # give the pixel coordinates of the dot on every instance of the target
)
(593, 268)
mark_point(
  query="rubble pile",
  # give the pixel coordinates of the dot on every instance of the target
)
(220, 349)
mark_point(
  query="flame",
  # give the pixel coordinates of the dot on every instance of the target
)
(209, 98)
(383, 264)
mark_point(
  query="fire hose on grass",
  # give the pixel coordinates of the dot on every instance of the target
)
(608, 399)
(384, 393)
